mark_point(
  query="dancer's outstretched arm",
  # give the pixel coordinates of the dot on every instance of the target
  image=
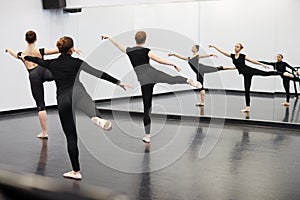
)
(273, 64)
(220, 50)
(116, 43)
(256, 62)
(12, 52)
(163, 61)
(178, 56)
(208, 55)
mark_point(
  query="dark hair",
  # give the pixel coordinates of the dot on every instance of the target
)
(197, 47)
(64, 44)
(140, 37)
(280, 55)
(241, 45)
(30, 37)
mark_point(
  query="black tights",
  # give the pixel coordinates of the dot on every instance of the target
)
(66, 102)
(37, 77)
(286, 85)
(248, 79)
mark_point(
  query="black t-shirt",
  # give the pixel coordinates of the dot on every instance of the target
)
(240, 63)
(194, 63)
(65, 69)
(138, 55)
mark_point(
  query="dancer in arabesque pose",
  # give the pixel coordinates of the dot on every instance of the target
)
(147, 75)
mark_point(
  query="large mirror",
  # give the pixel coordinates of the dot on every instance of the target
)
(265, 28)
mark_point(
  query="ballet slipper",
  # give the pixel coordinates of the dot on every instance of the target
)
(195, 84)
(285, 104)
(147, 138)
(73, 175)
(245, 110)
(42, 135)
(104, 124)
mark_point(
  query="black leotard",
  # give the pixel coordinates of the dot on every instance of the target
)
(37, 76)
(148, 76)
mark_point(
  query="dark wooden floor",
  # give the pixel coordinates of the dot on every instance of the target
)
(185, 160)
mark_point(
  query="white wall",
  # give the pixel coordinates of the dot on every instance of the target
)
(264, 27)
(16, 18)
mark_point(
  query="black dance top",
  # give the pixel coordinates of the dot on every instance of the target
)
(240, 63)
(65, 69)
(279, 66)
(138, 55)
(194, 63)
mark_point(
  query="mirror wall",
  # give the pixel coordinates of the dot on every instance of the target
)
(265, 28)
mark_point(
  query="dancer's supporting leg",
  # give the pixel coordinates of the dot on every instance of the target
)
(286, 85)
(37, 91)
(147, 91)
(247, 86)
(66, 116)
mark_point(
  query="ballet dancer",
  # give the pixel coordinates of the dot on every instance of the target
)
(147, 75)
(199, 69)
(239, 60)
(282, 66)
(37, 76)
(72, 94)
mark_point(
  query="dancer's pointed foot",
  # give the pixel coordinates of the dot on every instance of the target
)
(285, 104)
(73, 175)
(200, 104)
(246, 110)
(147, 138)
(42, 135)
(195, 84)
(104, 124)
(288, 75)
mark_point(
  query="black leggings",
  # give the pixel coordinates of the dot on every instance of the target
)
(37, 77)
(286, 85)
(147, 93)
(248, 79)
(79, 99)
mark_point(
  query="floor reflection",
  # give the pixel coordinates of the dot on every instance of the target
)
(145, 191)
(42, 163)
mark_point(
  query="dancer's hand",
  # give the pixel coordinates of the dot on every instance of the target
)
(7, 50)
(211, 46)
(171, 54)
(177, 68)
(214, 55)
(265, 66)
(125, 86)
(105, 37)
(77, 51)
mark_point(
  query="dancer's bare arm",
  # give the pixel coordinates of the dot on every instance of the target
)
(115, 42)
(256, 62)
(12, 53)
(220, 50)
(163, 61)
(178, 56)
